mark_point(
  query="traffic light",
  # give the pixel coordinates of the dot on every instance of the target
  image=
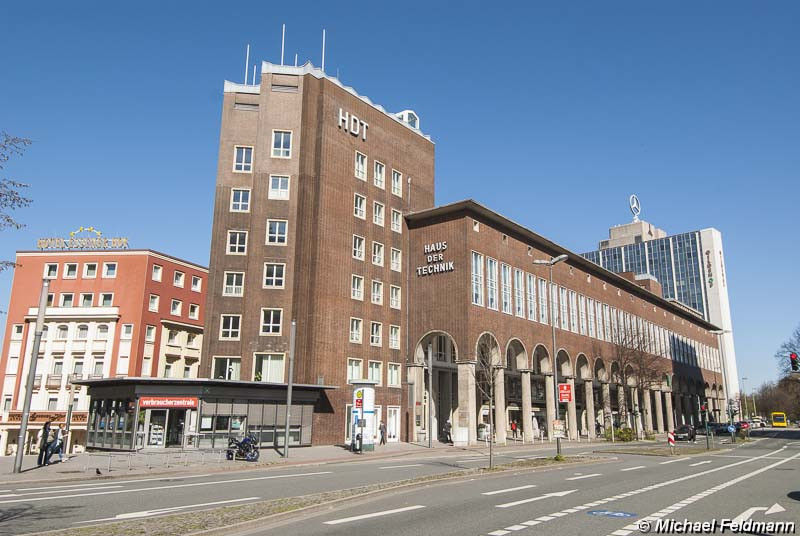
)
(703, 407)
(795, 362)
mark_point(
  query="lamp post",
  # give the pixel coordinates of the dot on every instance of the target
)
(719, 333)
(552, 262)
(743, 392)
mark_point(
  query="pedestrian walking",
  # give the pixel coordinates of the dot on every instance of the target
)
(43, 439)
(382, 429)
(57, 445)
(514, 429)
(447, 428)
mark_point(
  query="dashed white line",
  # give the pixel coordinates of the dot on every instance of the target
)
(401, 466)
(508, 490)
(633, 468)
(374, 514)
(699, 463)
(673, 461)
(583, 476)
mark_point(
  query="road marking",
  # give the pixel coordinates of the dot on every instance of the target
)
(374, 514)
(100, 482)
(53, 491)
(673, 461)
(583, 476)
(160, 511)
(699, 463)
(401, 466)
(539, 498)
(516, 527)
(137, 490)
(499, 533)
(507, 490)
(634, 468)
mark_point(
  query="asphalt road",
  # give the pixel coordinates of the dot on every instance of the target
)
(484, 505)
(757, 481)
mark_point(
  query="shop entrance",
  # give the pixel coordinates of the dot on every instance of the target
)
(166, 427)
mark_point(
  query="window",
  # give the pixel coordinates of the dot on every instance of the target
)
(281, 144)
(505, 284)
(397, 221)
(380, 175)
(62, 332)
(229, 327)
(234, 284)
(564, 308)
(83, 332)
(153, 305)
(361, 166)
(375, 333)
(90, 270)
(7, 404)
(98, 368)
(274, 274)
(377, 254)
(172, 337)
(278, 187)
(177, 279)
(127, 331)
(16, 332)
(271, 321)
(353, 369)
(377, 292)
(52, 404)
(110, 269)
(156, 274)
(243, 160)
(377, 213)
(355, 330)
(606, 322)
(394, 337)
(106, 299)
(150, 334)
(50, 298)
(187, 371)
(197, 283)
(237, 242)
(531, 280)
(394, 297)
(269, 368)
(175, 307)
(240, 200)
(582, 314)
(102, 332)
(51, 270)
(519, 293)
(491, 283)
(276, 232)
(360, 206)
(356, 287)
(358, 247)
(393, 375)
(397, 183)
(573, 311)
(77, 368)
(542, 301)
(477, 278)
(375, 372)
(554, 311)
(227, 368)
(396, 260)
(67, 299)
(87, 299)
(70, 270)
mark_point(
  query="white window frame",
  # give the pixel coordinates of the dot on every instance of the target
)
(394, 337)
(245, 166)
(531, 295)
(356, 330)
(150, 303)
(397, 183)
(149, 334)
(396, 265)
(285, 234)
(281, 149)
(519, 293)
(357, 287)
(102, 295)
(194, 311)
(282, 278)
(126, 333)
(228, 242)
(86, 270)
(376, 292)
(356, 363)
(197, 283)
(379, 179)
(505, 289)
(376, 336)
(358, 252)
(106, 265)
(46, 270)
(279, 194)
(238, 329)
(395, 302)
(370, 364)
(582, 314)
(178, 279)
(237, 206)
(477, 278)
(62, 299)
(262, 323)
(360, 168)
(157, 269)
(377, 256)
(398, 367)
(91, 299)
(360, 212)
(269, 356)
(225, 284)
(175, 305)
(573, 311)
(492, 275)
(397, 221)
(378, 213)
(66, 270)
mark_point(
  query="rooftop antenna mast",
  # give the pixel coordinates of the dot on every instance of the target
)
(295, 59)
(283, 38)
(254, 74)
(246, 63)
(323, 50)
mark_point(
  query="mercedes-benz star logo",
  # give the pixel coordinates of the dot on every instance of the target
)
(636, 207)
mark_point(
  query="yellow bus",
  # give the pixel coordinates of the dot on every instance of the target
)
(778, 419)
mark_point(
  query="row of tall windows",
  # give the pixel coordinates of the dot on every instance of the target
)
(378, 174)
(376, 333)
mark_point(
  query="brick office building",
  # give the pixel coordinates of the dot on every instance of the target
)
(110, 314)
(476, 290)
(312, 184)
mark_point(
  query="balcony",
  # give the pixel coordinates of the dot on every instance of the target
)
(37, 381)
(95, 376)
(53, 382)
(73, 378)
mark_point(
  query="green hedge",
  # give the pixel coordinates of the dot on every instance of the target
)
(621, 434)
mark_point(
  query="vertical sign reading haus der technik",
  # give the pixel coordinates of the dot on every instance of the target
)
(435, 261)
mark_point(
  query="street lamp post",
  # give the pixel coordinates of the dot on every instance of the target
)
(552, 262)
(743, 392)
(719, 333)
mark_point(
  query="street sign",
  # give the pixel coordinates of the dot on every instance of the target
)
(564, 392)
(731, 428)
(559, 430)
(671, 438)
(609, 513)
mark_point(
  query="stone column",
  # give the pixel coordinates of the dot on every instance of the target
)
(571, 413)
(659, 413)
(723, 409)
(637, 407)
(606, 391)
(465, 427)
(527, 411)
(446, 397)
(590, 416)
(416, 374)
(550, 403)
(433, 406)
(622, 412)
(670, 414)
(678, 409)
(3, 442)
(500, 419)
(648, 411)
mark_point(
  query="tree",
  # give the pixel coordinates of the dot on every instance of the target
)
(789, 346)
(10, 196)
(783, 396)
(486, 371)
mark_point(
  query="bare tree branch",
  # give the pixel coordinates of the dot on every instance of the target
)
(789, 346)
(11, 197)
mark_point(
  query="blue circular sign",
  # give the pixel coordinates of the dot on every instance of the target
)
(731, 428)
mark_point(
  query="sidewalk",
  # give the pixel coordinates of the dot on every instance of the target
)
(109, 465)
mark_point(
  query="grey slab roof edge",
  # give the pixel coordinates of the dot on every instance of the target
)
(102, 382)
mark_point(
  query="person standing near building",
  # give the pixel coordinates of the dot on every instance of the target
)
(514, 429)
(57, 446)
(447, 428)
(382, 429)
(43, 439)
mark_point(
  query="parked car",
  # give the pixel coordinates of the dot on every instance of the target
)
(718, 428)
(685, 432)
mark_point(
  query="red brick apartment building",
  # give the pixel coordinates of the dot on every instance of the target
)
(110, 314)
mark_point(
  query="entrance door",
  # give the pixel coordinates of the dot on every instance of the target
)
(392, 423)
(157, 428)
(175, 427)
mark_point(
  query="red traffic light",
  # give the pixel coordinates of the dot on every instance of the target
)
(794, 361)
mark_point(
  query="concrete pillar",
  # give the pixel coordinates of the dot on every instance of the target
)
(3, 442)
(588, 385)
(571, 413)
(637, 408)
(723, 409)
(648, 410)
(433, 407)
(527, 411)
(550, 403)
(500, 416)
(678, 409)
(659, 412)
(668, 408)
(446, 398)
(465, 427)
(606, 391)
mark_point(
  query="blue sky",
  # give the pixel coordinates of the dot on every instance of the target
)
(551, 114)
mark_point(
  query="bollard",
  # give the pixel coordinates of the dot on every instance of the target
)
(109, 463)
